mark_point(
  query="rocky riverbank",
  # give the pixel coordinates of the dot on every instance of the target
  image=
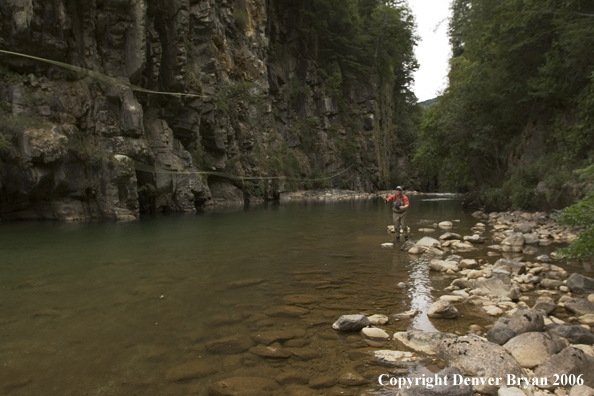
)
(544, 331)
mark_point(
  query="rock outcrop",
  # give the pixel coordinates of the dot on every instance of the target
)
(249, 105)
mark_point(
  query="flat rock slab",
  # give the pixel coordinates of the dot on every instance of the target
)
(243, 386)
(245, 283)
(378, 320)
(286, 311)
(230, 345)
(191, 370)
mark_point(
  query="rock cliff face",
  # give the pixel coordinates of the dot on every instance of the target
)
(80, 147)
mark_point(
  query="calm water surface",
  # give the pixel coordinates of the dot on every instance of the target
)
(110, 309)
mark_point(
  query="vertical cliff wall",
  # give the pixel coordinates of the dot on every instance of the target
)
(261, 118)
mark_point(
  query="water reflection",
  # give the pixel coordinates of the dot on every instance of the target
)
(420, 294)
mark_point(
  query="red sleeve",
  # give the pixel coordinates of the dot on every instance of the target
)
(391, 198)
(405, 200)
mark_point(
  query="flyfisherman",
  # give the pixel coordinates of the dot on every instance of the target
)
(399, 212)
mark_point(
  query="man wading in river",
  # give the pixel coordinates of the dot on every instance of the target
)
(399, 212)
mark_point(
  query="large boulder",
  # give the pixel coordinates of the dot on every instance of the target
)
(522, 321)
(423, 341)
(568, 361)
(351, 323)
(531, 349)
(478, 358)
(579, 306)
(580, 284)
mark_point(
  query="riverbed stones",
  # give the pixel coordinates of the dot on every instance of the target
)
(230, 345)
(568, 361)
(351, 323)
(445, 225)
(190, 370)
(423, 341)
(495, 287)
(551, 283)
(547, 306)
(468, 264)
(510, 391)
(531, 349)
(244, 386)
(478, 358)
(443, 266)
(374, 333)
(587, 319)
(428, 242)
(445, 388)
(286, 311)
(442, 310)
(580, 284)
(448, 236)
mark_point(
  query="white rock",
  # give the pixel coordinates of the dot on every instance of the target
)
(428, 242)
(378, 320)
(505, 391)
(374, 333)
(388, 245)
(446, 224)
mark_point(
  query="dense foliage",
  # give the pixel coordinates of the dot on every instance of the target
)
(519, 109)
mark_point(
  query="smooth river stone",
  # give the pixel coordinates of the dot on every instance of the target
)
(306, 353)
(287, 311)
(393, 358)
(325, 381)
(375, 334)
(301, 299)
(292, 377)
(268, 337)
(245, 282)
(352, 378)
(244, 386)
(190, 370)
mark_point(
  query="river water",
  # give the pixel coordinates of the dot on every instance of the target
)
(112, 308)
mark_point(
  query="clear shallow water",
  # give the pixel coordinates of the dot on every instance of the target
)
(109, 309)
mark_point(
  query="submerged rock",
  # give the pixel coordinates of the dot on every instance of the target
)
(190, 370)
(230, 345)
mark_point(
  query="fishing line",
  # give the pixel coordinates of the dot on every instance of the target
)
(145, 167)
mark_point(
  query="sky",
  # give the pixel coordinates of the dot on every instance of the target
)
(433, 49)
